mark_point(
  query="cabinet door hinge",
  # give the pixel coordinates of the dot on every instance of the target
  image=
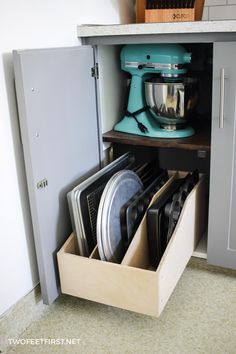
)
(95, 72)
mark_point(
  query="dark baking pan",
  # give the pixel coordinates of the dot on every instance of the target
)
(153, 222)
(163, 216)
(133, 212)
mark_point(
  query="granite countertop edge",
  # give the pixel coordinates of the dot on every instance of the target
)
(91, 30)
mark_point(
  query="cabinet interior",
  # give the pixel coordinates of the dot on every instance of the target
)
(173, 154)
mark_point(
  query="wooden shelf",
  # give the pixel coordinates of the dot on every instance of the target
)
(200, 141)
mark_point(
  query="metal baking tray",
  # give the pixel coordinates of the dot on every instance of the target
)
(84, 200)
(120, 188)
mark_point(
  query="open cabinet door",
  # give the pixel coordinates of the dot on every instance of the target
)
(61, 142)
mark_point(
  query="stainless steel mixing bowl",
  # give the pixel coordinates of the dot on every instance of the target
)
(171, 102)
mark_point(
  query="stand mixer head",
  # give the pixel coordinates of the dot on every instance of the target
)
(160, 106)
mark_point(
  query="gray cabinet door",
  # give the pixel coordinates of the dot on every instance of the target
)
(222, 209)
(60, 135)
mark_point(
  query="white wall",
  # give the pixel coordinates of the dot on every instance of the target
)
(219, 10)
(31, 24)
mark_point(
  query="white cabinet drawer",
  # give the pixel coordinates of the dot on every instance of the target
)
(132, 285)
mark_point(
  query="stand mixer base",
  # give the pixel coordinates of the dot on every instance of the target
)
(129, 125)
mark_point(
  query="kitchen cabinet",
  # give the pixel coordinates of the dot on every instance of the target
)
(69, 99)
(222, 222)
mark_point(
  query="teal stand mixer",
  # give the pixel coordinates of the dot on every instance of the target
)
(161, 96)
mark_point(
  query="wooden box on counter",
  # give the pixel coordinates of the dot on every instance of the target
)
(168, 15)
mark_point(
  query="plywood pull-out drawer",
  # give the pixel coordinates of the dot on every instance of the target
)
(132, 285)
